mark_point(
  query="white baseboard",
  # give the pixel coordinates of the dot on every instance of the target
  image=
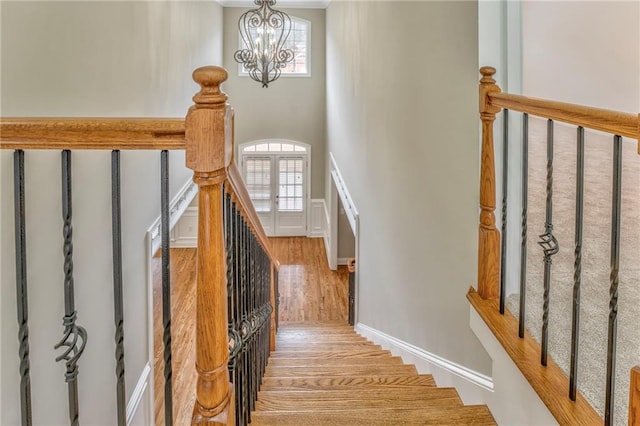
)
(185, 233)
(317, 221)
(472, 386)
(139, 408)
(343, 260)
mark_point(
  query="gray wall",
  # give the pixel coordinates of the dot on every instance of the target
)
(599, 67)
(291, 107)
(402, 124)
(90, 59)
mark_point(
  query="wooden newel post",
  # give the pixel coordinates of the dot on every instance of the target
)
(208, 154)
(489, 236)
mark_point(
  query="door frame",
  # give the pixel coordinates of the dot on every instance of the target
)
(274, 155)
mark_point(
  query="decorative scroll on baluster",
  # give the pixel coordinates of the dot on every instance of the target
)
(74, 338)
(577, 266)
(21, 287)
(613, 289)
(118, 309)
(208, 154)
(523, 224)
(488, 235)
(549, 245)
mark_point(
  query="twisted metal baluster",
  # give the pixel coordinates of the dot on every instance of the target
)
(117, 287)
(74, 337)
(166, 287)
(523, 225)
(21, 287)
(549, 245)
(613, 290)
(577, 266)
(505, 182)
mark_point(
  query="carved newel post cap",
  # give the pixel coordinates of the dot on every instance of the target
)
(487, 74)
(210, 78)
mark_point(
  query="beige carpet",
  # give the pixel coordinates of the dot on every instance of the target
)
(596, 259)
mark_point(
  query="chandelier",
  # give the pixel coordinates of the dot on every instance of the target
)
(264, 31)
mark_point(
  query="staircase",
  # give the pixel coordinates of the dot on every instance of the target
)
(323, 373)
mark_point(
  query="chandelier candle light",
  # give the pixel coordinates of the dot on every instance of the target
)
(264, 32)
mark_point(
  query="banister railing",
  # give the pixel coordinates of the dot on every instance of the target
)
(236, 268)
(557, 391)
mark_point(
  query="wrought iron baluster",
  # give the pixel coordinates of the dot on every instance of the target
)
(74, 338)
(21, 287)
(166, 287)
(577, 266)
(505, 182)
(239, 386)
(118, 309)
(246, 326)
(523, 225)
(549, 245)
(613, 290)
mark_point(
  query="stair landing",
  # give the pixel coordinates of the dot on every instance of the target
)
(323, 373)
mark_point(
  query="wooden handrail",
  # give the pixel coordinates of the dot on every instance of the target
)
(241, 196)
(613, 122)
(92, 133)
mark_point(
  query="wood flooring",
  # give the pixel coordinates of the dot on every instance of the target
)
(309, 291)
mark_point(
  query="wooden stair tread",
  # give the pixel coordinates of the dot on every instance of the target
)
(333, 371)
(349, 382)
(346, 362)
(320, 338)
(341, 346)
(342, 354)
(323, 331)
(310, 325)
(328, 400)
(477, 415)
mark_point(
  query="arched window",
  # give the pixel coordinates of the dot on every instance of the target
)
(299, 41)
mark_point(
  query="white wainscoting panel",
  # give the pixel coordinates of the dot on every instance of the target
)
(317, 222)
(185, 233)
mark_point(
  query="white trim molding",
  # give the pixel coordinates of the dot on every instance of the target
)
(177, 207)
(471, 385)
(343, 261)
(138, 398)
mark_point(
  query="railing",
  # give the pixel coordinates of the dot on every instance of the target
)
(236, 270)
(557, 391)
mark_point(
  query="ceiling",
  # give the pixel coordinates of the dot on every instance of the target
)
(294, 4)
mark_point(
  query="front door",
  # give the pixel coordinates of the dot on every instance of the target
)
(277, 187)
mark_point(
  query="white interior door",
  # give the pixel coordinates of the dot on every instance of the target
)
(290, 199)
(277, 185)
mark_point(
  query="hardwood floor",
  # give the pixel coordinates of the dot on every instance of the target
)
(183, 294)
(309, 291)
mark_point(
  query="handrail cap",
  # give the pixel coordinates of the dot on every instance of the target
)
(210, 78)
